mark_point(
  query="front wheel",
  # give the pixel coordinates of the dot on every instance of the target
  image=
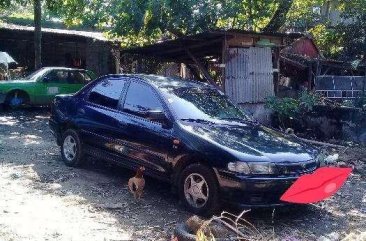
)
(71, 149)
(198, 189)
(15, 100)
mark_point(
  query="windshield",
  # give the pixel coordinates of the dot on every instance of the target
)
(36, 74)
(201, 103)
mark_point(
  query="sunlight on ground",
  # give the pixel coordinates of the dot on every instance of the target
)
(357, 214)
(28, 139)
(26, 212)
(31, 140)
(355, 236)
(8, 120)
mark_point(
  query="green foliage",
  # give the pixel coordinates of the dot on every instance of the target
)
(360, 102)
(139, 22)
(338, 27)
(290, 108)
(329, 40)
(308, 100)
(284, 107)
(8, 3)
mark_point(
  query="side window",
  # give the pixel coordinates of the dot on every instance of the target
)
(140, 99)
(56, 76)
(107, 93)
(77, 77)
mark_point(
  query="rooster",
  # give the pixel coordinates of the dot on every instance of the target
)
(136, 184)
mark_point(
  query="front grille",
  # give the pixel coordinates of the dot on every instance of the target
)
(291, 169)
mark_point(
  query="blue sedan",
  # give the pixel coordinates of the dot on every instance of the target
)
(184, 132)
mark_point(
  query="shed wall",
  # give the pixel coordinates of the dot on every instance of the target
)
(59, 50)
(249, 75)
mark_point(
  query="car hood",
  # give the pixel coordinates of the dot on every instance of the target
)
(251, 142)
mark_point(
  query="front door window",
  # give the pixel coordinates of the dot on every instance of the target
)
(141, 99)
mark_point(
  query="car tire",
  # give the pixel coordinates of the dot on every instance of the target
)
(71, 149)
(15, 100)
(199, 190)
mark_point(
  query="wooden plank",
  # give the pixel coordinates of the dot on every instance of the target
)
(193, 46)
(200, 66)
(295, 63)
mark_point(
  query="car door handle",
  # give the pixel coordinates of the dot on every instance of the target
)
(81, 111)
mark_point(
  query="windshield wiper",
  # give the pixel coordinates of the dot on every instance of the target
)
(241, 120)
(196, 120)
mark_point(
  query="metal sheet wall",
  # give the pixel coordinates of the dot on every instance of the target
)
(249, 74)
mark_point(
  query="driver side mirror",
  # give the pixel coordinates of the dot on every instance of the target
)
(159, 116)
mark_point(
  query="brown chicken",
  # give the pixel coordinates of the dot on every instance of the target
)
(136, 184)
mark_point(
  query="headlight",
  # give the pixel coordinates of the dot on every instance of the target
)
(251, 168)
(261, 168)
(240, 167)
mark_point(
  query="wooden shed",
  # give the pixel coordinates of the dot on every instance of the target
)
(66, 48)
(243, 64)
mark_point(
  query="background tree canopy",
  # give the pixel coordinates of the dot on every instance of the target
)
(338, 27)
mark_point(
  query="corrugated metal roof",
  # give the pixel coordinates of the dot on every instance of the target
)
(202, 44)
(93, 35)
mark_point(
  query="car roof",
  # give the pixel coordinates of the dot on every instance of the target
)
(61, 68)
(163, 82)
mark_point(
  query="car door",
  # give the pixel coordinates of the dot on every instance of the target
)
(150, 143)
(101, 122)
(50, 85)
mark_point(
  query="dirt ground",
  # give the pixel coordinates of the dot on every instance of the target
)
(42, 199)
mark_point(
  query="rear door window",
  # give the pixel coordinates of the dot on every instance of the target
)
(107, 93)
(140, 99)
(78, 77)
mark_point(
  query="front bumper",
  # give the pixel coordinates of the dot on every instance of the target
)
(244, 191)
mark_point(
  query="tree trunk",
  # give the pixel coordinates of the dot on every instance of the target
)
(279, 17)
(37, 34)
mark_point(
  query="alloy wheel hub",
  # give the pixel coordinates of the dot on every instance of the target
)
(196, 190)
(69, 148)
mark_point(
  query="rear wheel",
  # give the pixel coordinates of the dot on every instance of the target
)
(198, 189)
(71, 149)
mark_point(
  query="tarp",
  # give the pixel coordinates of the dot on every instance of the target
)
(5, 58)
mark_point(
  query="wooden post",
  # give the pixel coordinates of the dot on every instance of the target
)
(117, 60)
(276, 75)
(223, 61)
(310, 74)
(200, 66)
(194, 72)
